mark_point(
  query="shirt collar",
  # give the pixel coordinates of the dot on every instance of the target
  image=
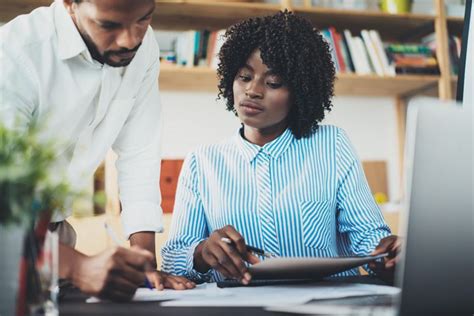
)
(274, 149)
(70, 42)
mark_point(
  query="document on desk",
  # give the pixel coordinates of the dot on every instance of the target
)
(277, 295)
(306, 268)
(201, 291)
(282, 295)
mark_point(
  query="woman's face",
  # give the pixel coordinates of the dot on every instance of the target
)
(261, 98)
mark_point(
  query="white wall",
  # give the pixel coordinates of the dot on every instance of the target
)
(190, 119)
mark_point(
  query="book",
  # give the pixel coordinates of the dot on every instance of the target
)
(374, 58)
(413, 58)
(336, 40)
(362, 56)
(380, 50)
(327, 37)
(210, 48)
(358, 66)
(219, 41)
(347, 54)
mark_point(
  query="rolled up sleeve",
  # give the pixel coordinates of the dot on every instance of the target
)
(188, 227)
(360, 220)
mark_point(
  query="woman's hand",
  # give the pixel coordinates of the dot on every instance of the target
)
(386, 269)
(162, 280)
(228, 259)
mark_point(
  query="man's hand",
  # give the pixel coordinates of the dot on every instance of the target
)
(113, 274)
(386, 269)
(225, 258)
(161, 280)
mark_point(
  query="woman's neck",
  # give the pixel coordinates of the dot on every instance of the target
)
(263, 136)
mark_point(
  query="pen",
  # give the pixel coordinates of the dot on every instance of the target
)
(255, 250)
(116, 239)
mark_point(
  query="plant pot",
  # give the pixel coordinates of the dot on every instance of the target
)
(11, 247)
(396, 6)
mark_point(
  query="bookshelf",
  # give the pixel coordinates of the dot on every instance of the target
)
(185, 14)
(214, 15)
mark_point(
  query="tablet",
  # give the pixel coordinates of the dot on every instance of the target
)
(306, 268)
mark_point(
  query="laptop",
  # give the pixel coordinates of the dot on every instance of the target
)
(437, 273)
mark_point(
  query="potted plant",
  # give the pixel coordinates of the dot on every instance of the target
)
(29, 190)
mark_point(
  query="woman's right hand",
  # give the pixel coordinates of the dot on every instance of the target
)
(228, 259)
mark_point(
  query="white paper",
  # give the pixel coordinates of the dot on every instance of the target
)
(282, 295)
(146, 295)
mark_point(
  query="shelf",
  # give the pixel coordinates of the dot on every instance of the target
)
(184, 15)
(176, 78)
(390, 26)
(9, 9)
(181, 15)
(373, 85)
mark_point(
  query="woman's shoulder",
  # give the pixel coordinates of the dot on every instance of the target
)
(327, 133)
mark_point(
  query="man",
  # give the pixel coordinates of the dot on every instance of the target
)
(87, 71)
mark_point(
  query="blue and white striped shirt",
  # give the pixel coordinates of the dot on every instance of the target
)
(320, 202)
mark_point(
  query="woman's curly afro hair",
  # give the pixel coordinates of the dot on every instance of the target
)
(296, 52)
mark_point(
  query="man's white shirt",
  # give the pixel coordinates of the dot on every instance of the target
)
(48, 76)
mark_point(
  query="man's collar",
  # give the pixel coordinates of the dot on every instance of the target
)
(274, 149)
(70, 42)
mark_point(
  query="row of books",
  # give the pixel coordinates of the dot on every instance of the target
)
(196, 48)
(367, 54)
(361, 54)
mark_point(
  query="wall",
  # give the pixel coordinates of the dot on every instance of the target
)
(190, 119)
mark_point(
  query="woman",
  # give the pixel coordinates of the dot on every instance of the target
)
(284, 183)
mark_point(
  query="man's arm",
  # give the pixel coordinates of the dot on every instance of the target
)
(144, 240)
(159, 279)
(138, 165)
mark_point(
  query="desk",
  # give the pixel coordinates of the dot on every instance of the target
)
(73, 303)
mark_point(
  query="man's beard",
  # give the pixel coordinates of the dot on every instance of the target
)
(105, 58)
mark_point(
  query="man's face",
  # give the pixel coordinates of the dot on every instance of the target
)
(112, 29)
